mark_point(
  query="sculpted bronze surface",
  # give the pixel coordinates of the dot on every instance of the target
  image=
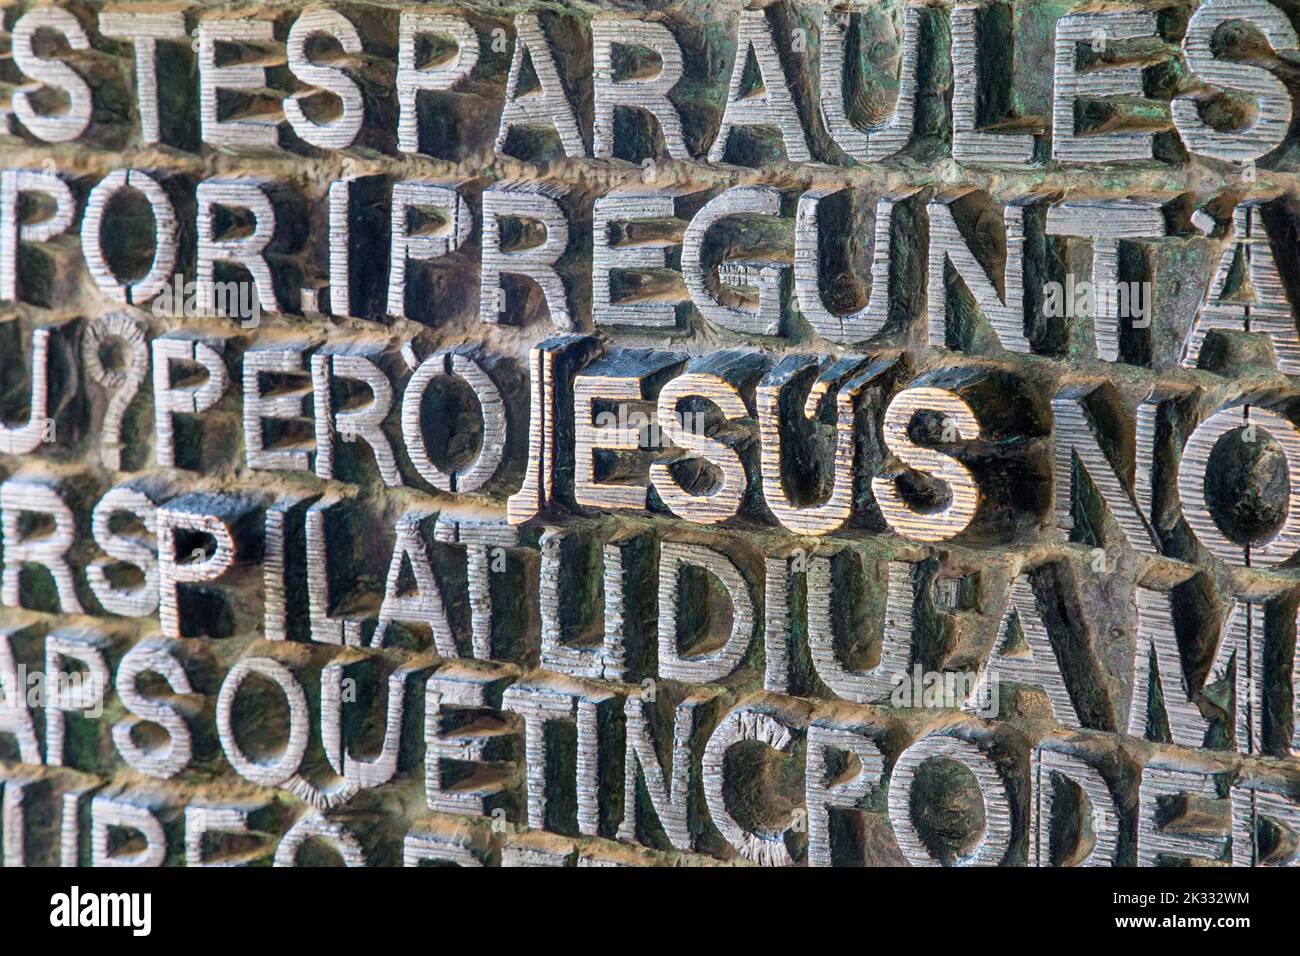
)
(654, 434)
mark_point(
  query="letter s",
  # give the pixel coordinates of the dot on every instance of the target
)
(960, 422)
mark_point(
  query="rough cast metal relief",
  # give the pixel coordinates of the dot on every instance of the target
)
(568, 434)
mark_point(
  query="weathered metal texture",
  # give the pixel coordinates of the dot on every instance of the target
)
(592, 434)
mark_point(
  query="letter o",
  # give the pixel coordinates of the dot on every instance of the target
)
(164, 255)
(286, 765)
(1192, 474)
(316, 826)
(994, 793)
(479, 472)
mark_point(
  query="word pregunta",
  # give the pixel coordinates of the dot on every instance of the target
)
(586, 438)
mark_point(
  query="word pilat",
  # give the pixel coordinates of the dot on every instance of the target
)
(200, 597)
(629, 284)
(487, 428)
